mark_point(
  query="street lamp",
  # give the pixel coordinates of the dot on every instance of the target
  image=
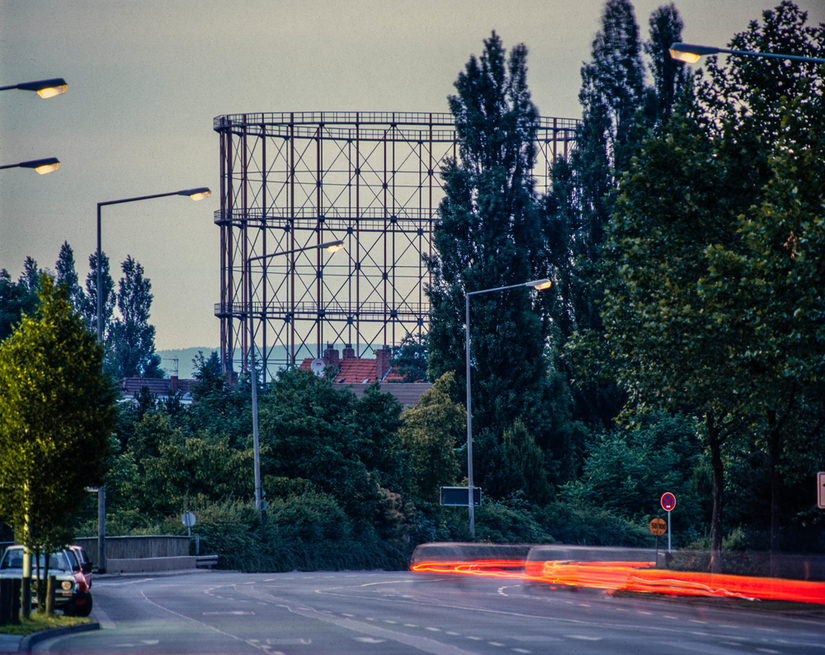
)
(536, 284)
(42, 166)
(331, 246)
(691, 53)
(196, 194)
(43, 88)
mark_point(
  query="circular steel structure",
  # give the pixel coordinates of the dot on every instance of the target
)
(298, 179)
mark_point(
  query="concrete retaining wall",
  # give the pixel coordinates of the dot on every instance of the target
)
(136, 547)
(149, 564)
(462, 552)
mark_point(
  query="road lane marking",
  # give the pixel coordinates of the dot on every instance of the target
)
(229, 613)
(424, 644)
(189, 618)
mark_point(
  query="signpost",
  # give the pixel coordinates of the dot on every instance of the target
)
(668, 501)
(820, 490)
(657, 526)
(188, 520)
(457, 496)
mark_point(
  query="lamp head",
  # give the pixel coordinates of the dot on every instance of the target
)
(196, 194)
(46, 88)
(42, 166)
(541, 285)
(690, 53)
(332, 246)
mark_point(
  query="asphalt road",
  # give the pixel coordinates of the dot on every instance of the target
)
(389, 613)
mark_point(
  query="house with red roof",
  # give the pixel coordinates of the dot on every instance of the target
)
(358, 373)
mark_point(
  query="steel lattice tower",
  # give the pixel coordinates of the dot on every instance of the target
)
(371, 179)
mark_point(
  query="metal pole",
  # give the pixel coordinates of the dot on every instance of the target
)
(668, 531)
(196, 193)
(256, 452)
(537, 284)
(101, 490)
(254, 382)
(470, 506)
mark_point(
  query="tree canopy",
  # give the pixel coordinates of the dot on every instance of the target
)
(56, 414)
(708, 290)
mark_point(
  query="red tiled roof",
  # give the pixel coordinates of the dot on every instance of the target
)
(356, 371)
(156, 386)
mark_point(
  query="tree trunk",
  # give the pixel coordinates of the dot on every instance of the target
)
(715, 443)
(49, 604)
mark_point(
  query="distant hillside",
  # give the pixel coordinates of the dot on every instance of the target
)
(184, 357)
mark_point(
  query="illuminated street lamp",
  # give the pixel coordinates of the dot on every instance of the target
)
(691, 53)
(330, 246)
(42, 166)
(536, 284)
(196, 194)
(43, 88)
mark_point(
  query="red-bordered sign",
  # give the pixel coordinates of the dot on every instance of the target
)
(668, 501)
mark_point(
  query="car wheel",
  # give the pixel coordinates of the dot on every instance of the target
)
(86, 608)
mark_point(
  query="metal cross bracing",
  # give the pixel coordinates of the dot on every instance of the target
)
(296, 180)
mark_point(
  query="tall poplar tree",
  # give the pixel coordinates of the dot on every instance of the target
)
(132, 338)
(67, 276)
(108, 296)
(490, 235)
(670, 76)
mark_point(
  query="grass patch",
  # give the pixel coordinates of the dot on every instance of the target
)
(38, 622)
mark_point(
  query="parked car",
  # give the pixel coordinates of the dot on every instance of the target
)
(71, 593)
(83, 561)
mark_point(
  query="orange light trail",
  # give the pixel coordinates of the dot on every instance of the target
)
(639, 577)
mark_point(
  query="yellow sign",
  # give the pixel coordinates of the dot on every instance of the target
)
(658, 527)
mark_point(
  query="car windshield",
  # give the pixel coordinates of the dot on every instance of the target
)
(57, 561)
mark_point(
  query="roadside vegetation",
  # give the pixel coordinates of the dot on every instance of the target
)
(680, 347)
(37, 622)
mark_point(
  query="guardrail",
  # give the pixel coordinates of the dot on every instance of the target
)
(206, 561)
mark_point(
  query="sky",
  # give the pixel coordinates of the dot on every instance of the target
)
(147, 77)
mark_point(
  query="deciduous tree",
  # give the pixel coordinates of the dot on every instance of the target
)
(56, 412)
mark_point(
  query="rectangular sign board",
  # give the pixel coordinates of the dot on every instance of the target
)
(820, 490)
(457, 496)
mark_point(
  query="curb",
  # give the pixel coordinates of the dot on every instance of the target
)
(28, 641)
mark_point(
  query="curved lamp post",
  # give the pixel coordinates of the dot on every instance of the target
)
(42, 166)
(536, 284)
(331, 246)
(691, 53)
(196, 194)
(43, 88)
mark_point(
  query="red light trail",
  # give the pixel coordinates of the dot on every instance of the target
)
(640, 577)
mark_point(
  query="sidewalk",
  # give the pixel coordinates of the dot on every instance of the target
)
(9, 643)
(23, 644)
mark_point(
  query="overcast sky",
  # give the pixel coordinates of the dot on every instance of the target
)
(147, 77)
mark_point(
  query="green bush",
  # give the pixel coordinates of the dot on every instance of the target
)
(581, 524)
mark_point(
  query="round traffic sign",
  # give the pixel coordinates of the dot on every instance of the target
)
(657, 527)
(188, 519)
(668, 501)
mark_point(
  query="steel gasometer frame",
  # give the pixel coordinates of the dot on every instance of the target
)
(371, 179)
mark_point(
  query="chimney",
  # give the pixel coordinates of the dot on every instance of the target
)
(331, 356)
(349, 352)
(382, 362)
